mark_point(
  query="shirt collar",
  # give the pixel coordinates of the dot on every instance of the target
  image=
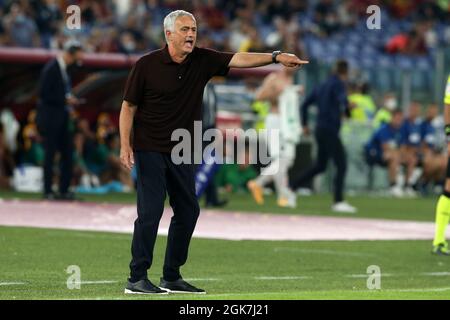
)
(165, 56)
(61, 62)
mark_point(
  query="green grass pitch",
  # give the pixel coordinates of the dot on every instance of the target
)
(34, 261)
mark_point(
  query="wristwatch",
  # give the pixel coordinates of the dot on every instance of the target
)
(274, 56)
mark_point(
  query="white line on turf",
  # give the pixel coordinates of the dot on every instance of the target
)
(99, 282)
(420, 290)
(202, 279)
(367, 274)
(11, 283)
(329, 252)
(282, 278)
(436, 274)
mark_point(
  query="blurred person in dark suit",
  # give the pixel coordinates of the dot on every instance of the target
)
(6, 162)
(53, 117)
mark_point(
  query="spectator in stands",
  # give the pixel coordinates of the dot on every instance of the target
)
(275, 8)
(325, 17)
(401, 8)
(20, 28)
(3, 36)
(48, 19)
(6, 162)
(383, 149)
(411, 43)
(410, 146)
(346, 15)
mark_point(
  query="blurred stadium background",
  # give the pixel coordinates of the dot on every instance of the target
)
(408, 59)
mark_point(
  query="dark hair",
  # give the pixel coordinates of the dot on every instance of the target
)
(72, 46)
(341, 67)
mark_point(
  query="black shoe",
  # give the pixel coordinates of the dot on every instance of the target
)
(179, 286)
(143, 287)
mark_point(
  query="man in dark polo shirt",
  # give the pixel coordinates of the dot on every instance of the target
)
(164, 93)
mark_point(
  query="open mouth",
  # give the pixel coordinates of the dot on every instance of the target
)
(189, 43)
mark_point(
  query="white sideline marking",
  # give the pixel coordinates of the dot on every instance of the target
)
(419, 290)
(11, 283)
(202, 279)
(436, 274)
(330, 252)
(99, 282)
(282, 278)
(369, 274)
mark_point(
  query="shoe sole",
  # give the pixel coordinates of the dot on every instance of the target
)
(186, 292)
(128, 291)
(344, 211)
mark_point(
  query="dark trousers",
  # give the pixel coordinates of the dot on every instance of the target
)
(329, 146)
(156, 174)
(57, 138)
(211, 196)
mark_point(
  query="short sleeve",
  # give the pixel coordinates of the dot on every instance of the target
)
(134, 88)
(447, 92)
(217, 62)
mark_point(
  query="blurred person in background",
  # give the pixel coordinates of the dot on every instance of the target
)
(6, 162)
(283, 154)
(364, 107)
(32, 142)
(434, 161)
(53, 118)
(209, 113)
(114, 171)
(330, 97)
(233, 177)
(410, 43)
(20, 28)
(384, 114)
(440, 245)
(410, 147)
(383, 149)
(48, 19)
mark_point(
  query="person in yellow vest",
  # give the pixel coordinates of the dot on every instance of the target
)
(384, 114)
(261, 109)
(440, 246)
(364, 106)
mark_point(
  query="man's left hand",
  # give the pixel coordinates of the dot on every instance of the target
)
(290, 60)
